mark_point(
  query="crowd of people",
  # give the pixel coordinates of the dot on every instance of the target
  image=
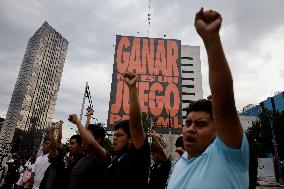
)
(213, 150)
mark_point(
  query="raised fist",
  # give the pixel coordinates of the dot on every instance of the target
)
(208, 24)
(90, 111)
(152, 133)
(130, 79)
(73, 118)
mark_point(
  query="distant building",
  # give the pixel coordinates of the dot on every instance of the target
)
(251, 110)
(247, 121)
(1, 122)
(191, 90)
(34, 97)
(275, 103)
(191, 76)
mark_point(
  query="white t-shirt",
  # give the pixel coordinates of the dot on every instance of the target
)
(39, 168)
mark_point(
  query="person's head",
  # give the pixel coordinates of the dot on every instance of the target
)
(155, 155)
(179, 146)
(121, 139)
(46, 146)
(198, 131)
(15, 156)
(98, 132)
(75, 145)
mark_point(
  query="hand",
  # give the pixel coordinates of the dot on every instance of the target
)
(90, 111)
(152, 133)
(208, 24)
(52, 128)
(130, 79)
(73, 119)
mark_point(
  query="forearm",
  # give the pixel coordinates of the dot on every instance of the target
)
(135, 121)
(88, 122)
(90, 141)
(220, 77)
(53, 146)
(221, 84)
(59, 137)
(159, 148)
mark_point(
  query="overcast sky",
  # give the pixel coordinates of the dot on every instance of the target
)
(252, 35)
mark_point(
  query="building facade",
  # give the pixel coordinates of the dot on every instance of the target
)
(191, 88)
(191, 76)
(191, 91)
(273, 104)
(247, 121)
(34, 97)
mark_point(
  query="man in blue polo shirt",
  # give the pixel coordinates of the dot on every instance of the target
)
(216, 149)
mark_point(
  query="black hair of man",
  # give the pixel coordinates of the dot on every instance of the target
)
(97, 131)
(179, 142)
(124, 125)
(46, 141)
(15, 156)
(154, 149)
(200, 105)
(77, 138)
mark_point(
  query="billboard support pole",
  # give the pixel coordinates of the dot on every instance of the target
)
(83, 103)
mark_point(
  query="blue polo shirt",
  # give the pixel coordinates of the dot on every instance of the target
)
(217, 167)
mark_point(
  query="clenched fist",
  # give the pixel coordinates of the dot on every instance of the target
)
(208, 24)
(130, 79)
(73, 119)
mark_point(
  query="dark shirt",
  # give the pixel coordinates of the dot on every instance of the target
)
(75, 159)
(87, 173)
(129, 170)
(159, 174)
(54, 175)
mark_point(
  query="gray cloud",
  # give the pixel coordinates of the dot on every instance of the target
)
(252, 34)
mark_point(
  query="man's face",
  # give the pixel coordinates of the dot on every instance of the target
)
(121, 141)
(74, 147)
(198, 132)
(45, 147)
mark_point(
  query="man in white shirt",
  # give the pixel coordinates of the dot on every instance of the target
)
(40, 166)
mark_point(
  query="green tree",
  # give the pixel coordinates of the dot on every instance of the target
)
(260, 134)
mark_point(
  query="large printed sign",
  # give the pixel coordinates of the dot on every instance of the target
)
(156, 62)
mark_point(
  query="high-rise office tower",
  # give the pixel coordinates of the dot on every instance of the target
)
(34, 97)
(191, 76)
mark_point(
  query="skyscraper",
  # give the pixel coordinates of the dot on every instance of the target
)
(34, 97)
(191, 76)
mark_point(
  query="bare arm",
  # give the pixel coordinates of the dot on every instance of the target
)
(135, 121)
(225, 115)
(88, 115)
(53, 146)
(87, 137)
(59, 136)
(158, 146)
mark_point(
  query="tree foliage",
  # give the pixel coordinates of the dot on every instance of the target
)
(260, 134)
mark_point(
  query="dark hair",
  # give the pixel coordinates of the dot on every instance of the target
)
(15, 156)
(179, 142)
(154, 148)
(77, 138)
(200, 105)
(97, 131)
(124, 125)
(46, 141)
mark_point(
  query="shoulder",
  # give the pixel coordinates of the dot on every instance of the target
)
(235, 157)
(145, 148)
